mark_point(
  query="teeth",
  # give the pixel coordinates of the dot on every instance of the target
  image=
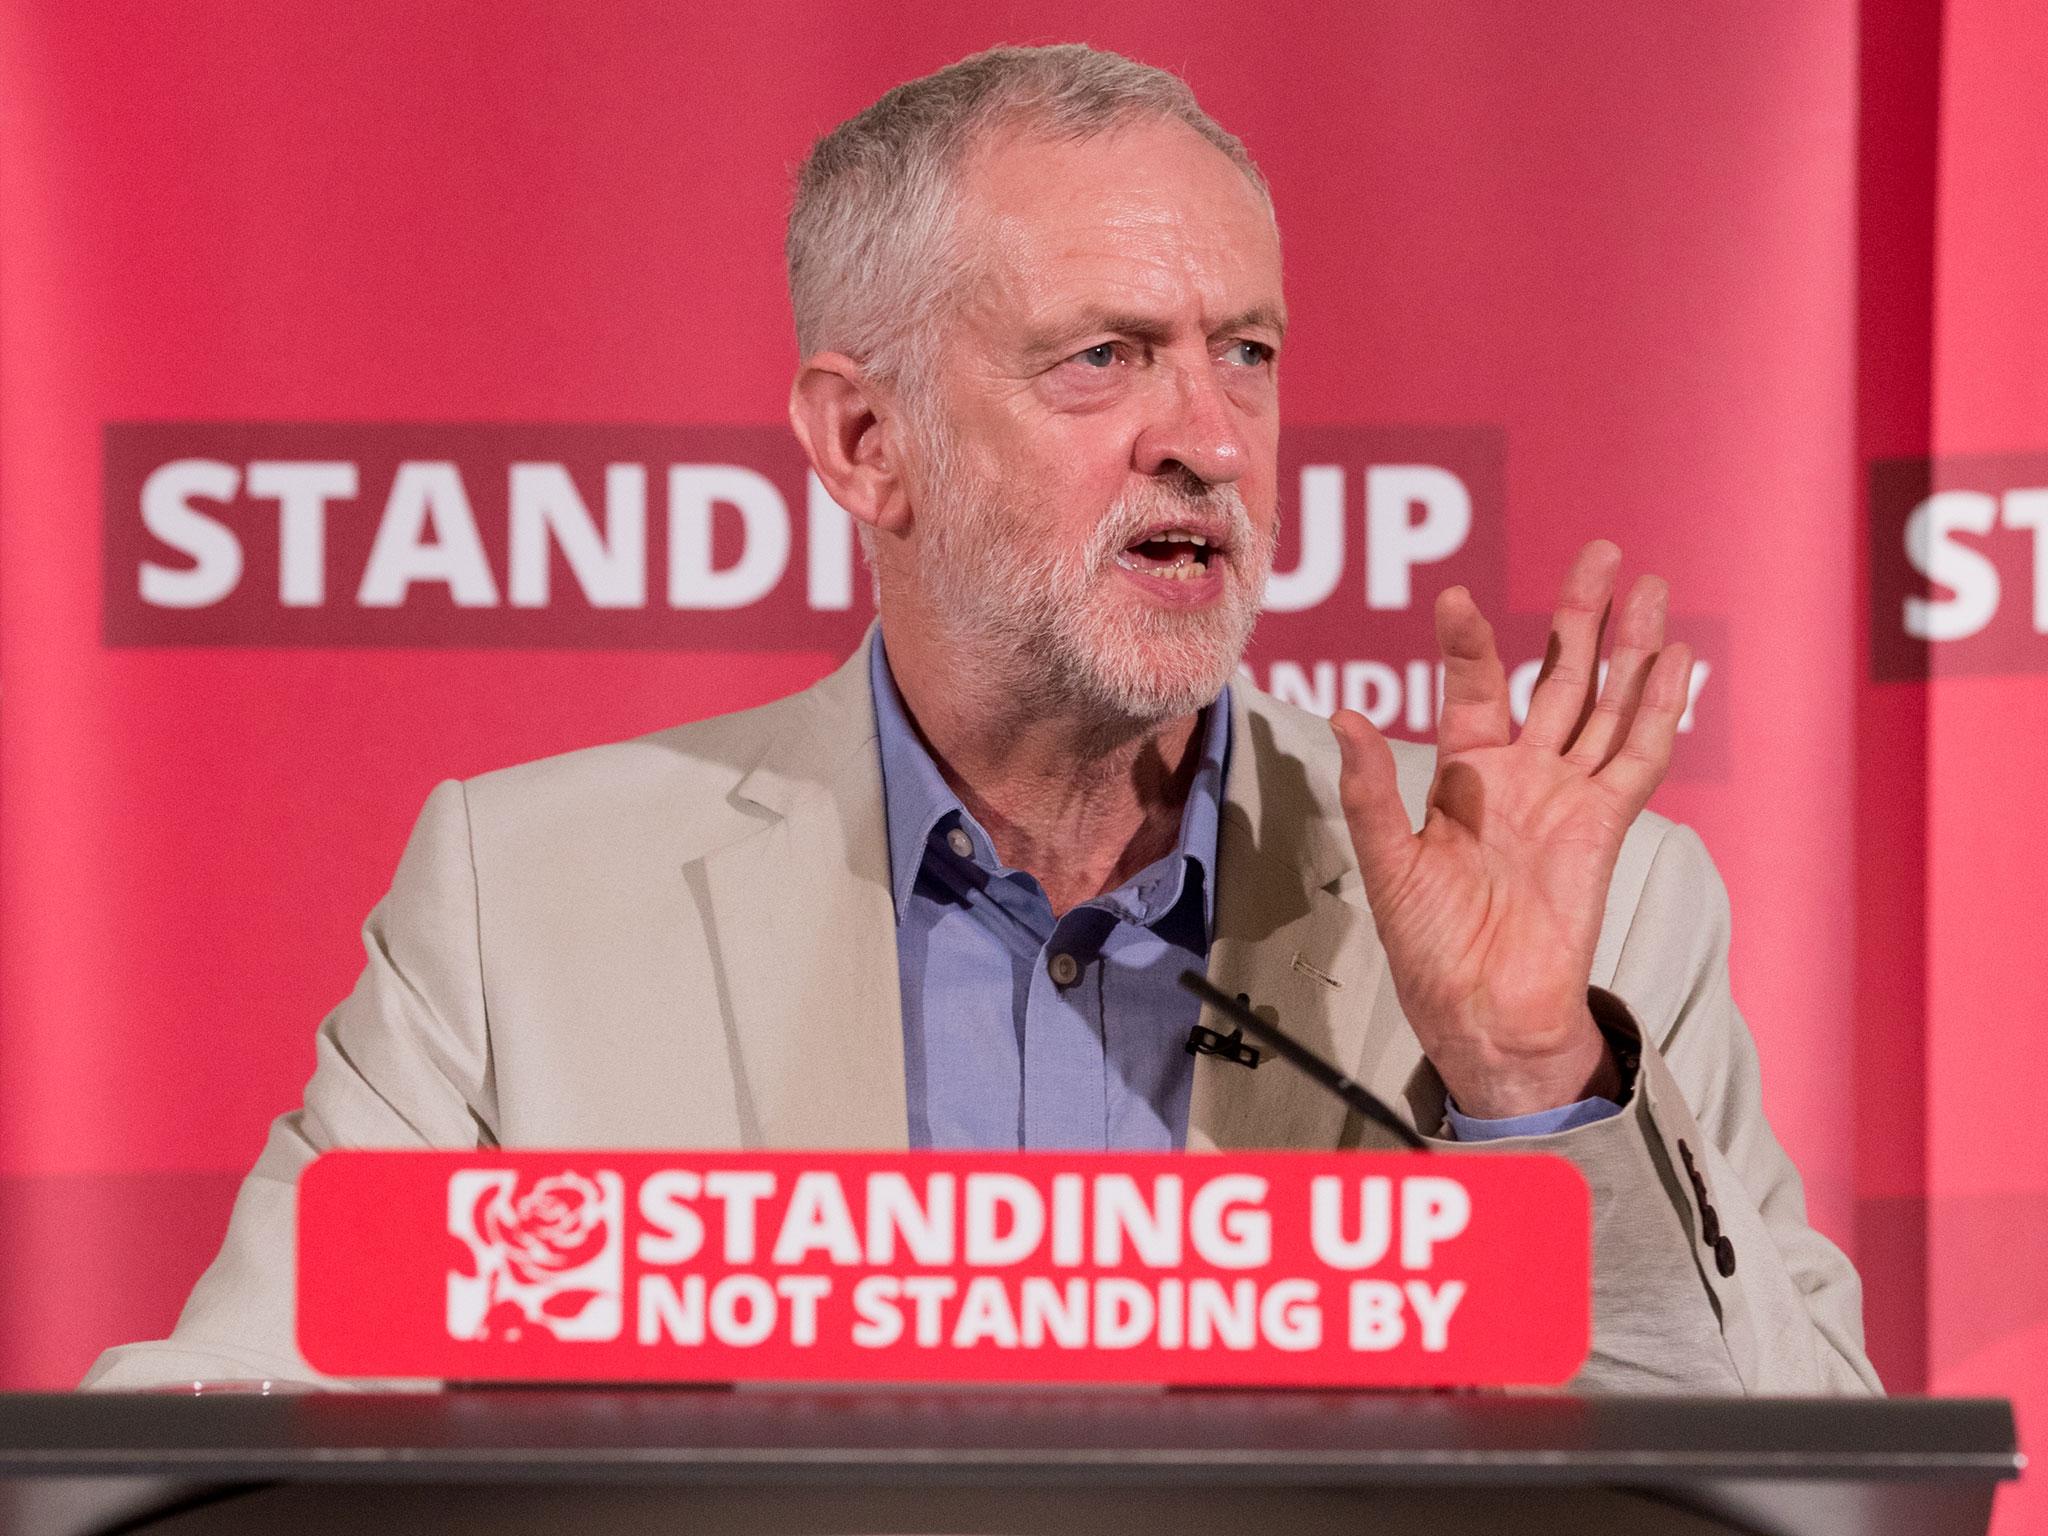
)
(1172, 568)
(1180, 570)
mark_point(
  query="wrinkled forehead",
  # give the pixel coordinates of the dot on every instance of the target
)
(1148, 219)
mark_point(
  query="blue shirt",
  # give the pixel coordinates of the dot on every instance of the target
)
(1022, 1030)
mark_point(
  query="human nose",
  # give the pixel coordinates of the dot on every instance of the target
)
(1194, 427)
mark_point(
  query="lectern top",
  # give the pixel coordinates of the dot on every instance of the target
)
(1044, 1434)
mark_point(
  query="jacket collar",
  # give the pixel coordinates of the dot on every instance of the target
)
(807, 953)
(804, 931)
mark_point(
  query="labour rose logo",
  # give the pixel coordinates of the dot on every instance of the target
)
(546, 1256)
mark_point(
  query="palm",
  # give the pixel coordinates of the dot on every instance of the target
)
(1512, 862)
(1489, 915)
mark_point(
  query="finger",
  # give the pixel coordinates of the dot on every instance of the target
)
(1370, 793)
(1639, 636)
(1564, 690)
(1475, 710)
(1638, 767)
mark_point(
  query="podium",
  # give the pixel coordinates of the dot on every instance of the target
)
(1024, 1461)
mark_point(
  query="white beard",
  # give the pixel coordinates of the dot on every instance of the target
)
(1042, 623)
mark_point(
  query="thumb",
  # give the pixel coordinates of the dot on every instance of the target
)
(1371, 796)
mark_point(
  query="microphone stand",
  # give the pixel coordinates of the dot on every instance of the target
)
(1285, 1045)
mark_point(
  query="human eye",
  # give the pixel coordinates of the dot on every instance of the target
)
(1248, 354)
(1102, 355)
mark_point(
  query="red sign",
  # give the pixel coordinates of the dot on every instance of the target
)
(1275, 1269)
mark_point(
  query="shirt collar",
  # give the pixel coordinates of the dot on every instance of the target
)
(917, 801)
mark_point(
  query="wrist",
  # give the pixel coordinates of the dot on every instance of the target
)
(1495, 1085)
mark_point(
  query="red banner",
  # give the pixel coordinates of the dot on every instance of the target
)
(1280, 1269)
(1755, 290)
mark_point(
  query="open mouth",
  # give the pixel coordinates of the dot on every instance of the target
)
(1174, 553)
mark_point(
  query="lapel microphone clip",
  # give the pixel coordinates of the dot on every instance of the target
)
(1203, 1041)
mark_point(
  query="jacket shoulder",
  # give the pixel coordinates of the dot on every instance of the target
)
(676, 791)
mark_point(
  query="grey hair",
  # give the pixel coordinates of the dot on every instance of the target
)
(872, 249)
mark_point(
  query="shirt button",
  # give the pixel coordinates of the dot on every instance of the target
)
(960, 843)
(1063, 968)
(1724, 1258)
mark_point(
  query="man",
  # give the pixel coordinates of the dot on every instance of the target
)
(941, 898)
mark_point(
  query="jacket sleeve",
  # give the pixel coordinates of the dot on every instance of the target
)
(1794, 1308)
(403, 1062)
(1707, 1276)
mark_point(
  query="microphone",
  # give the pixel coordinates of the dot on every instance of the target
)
(1285, 1045)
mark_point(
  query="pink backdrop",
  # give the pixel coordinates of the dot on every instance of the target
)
(1604, 268)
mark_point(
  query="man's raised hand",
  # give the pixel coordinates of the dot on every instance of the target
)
(1489, 915)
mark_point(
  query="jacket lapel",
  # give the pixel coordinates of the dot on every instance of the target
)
(1294, 935)
(803, 933)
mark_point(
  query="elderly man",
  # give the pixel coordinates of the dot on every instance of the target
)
(941, 899)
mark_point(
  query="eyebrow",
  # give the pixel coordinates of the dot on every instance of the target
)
(1260, 317)
(1151, 328)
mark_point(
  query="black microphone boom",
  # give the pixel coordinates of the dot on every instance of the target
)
(1286, 1045)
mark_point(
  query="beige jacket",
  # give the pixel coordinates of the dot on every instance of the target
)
(688, 941)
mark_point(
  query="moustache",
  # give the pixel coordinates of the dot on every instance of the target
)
(1144, 507)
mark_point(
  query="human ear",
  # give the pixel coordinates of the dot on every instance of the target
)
(851, 435)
